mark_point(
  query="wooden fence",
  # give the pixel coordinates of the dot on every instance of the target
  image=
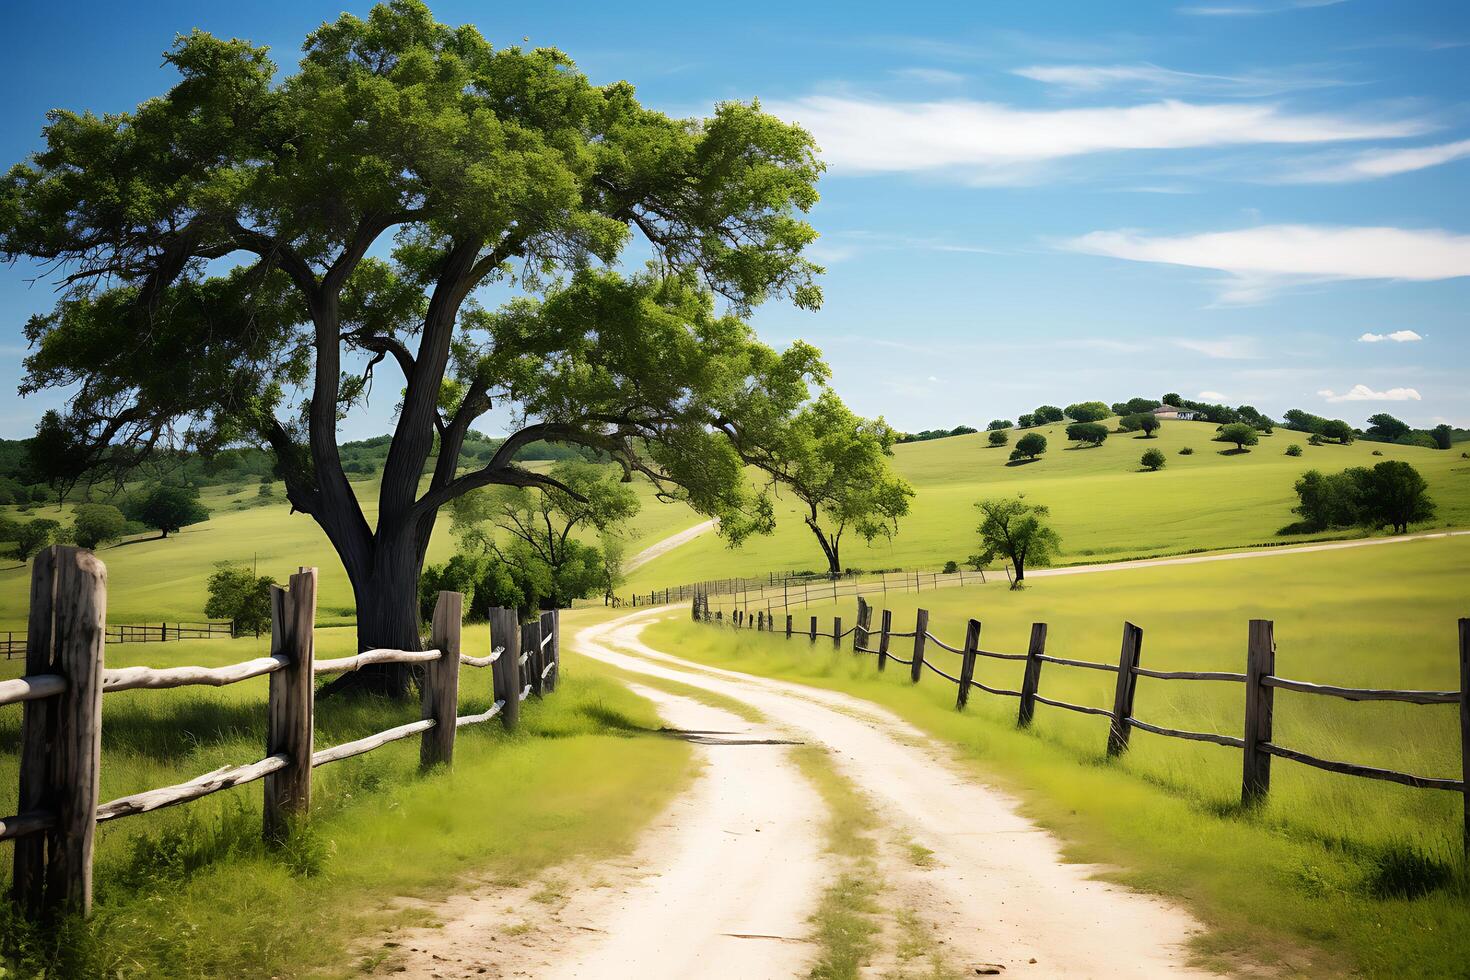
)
(1259, 681)
(61, 743)
(14, 645)
(773, 593)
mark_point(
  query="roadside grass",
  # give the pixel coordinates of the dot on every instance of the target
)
(1334, 873)
(191, 892)
(1103, 507)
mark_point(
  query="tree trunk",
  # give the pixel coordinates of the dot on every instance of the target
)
(1020, 563)
(829, 548)
(385, 585)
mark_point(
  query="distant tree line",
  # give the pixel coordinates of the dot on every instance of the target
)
(927, 434)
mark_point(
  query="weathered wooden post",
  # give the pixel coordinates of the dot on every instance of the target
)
(887, 627)
(505, 632)
(61, 736)
(1465, 723)
(441, 682)
(921, 637)
(531, 647)
(1260, 662)
(1032, 678)
(967, 663)
(291, 704)
(837, 632)
(814, 629)
(1120, 728)
(760, 620)
(860, 632)
(788, 626)
(551, 627)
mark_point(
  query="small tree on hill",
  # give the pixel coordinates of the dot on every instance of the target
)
(167, 508)
(1026, 421)
(95, 524)
(32, 536)
(1150, 424)
(1395, 495)
(1047, 414)
(1293, 450)
(1339, 430)
(1014, 529)
(999, 438)
(1088, 411)
(1153, 459)
(996, 424)
(1241, 433)
(1091, 433)
(236, 593)
(1029, 446)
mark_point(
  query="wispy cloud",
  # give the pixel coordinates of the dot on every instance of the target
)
(929, 76)
(1254, 9)
(843, 245)
(1362, 393)
(1376, 163)
(1224, 348)
(1154, 78)
(1259, 261)
(1398, 336)
(994, 141)
(1213, 396)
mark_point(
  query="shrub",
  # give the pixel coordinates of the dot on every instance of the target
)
(1315, 440)
(1377, 452)
(998, 437)
(1293, 450)
(237, 594)
(950, 567)
(1092, 433)
(95, 524)
(1088, 411)
(1187, 451)
(999, 424)
(1152, 460)
(1029, 446)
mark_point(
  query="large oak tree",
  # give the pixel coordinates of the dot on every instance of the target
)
(240, 258)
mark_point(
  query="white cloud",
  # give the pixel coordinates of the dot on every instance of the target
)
(989, 139)
(1261, 260)
(1362, 393)
(1398, 336)
(1226, 348)
(1150, 77)
(1381, 163)
(1211, 396)
(929, 76)
(1254, 9)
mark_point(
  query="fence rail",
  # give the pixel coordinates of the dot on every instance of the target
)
(13, 642)
(65, 682)
(801, 590)
(1259, 681)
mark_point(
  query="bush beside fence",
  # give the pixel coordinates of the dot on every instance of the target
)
(1259, 681)
(62, 725)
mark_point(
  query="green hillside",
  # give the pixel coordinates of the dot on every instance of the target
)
(1101, 502)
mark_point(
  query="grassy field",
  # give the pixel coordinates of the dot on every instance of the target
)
(153, 578)
(1102, 504)
(190, 891)
(1336, 873)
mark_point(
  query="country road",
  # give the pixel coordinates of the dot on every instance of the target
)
(663, 547)
(726, 880)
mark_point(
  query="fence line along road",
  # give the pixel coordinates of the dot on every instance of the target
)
(1259, 681)
(61, 731)
(783, 592)
(13, 644)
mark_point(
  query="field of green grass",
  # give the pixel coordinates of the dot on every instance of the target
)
(191, 892)
(152, 578)
(1337, 873)
(1103, 505)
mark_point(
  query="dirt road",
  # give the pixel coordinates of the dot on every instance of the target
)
(741, 856)
(668, 544)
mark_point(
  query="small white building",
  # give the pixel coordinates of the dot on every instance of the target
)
(1172, 412)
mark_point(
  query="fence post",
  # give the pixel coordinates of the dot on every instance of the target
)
(921, 636)
(551, 626)
(860, 631)
(788, 626)
(1465, 722)
(505, 632)
(61, 741)
(441, 682)
(531, 646)
(967, 664)
(814, 629)
(291, 703)
(887, 626)
(1032, 679)
(1120, 728)
(1260, 662)
(837, 632)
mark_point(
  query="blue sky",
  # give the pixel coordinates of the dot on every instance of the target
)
(1025, 202)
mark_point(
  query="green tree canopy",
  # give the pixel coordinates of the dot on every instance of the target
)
(236, 593)
(1241, 433)
(1395, 495)
(95, 524)
(1088, 411)
(998, 437)
(1092, 433)
(1029, 446)
(1047, 414)
(166, 508)
(998, 424)
(1152, 459)
(1012, 528)
(241, 255)
(1339, 430)
(836, 464)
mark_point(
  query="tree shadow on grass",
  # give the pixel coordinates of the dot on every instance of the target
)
(1023, 462)
(1234, 452)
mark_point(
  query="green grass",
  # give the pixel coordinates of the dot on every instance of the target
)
(191, 892)
(1102, 504)
(152, 578)
(1333, 873)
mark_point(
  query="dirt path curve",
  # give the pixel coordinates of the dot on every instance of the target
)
(997, 891)
(721, 886)
(660, 548)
